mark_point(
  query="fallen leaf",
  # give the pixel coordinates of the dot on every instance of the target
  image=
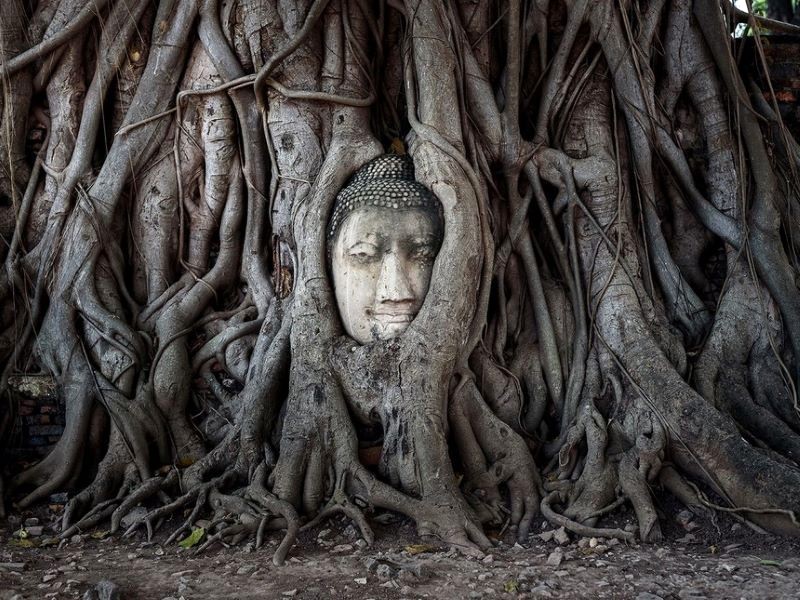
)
(21, 543)
(193, 538)
(770, 563)
(50, 541)
(511, 586)
(419, 548)
(99, 535)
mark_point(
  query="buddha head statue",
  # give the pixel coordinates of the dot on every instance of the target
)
(383, 236)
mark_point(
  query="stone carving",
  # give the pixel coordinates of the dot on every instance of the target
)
(383, 237)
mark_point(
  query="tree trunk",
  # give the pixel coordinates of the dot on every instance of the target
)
(780, 10)
(612, 313)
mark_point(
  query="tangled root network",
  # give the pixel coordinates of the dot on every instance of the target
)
(613, 313)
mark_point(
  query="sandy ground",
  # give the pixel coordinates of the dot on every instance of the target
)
(698, 560)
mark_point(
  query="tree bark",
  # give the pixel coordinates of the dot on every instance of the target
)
(614, 304)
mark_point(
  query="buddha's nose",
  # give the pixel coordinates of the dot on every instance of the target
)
(394, 284)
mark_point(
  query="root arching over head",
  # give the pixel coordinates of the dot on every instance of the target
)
(612, 312)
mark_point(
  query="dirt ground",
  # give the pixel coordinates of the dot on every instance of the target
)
(699, 559)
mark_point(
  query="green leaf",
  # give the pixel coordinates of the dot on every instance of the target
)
(759, 7)
(770, 563)
(21, 543)
(193, 538)
(511, 586)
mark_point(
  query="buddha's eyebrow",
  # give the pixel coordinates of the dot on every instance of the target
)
(426, 240)
(362, 243)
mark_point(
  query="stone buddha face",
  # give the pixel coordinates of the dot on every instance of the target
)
(385, 237)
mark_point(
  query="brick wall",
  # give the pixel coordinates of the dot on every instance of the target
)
(37, 418)
(782, 55)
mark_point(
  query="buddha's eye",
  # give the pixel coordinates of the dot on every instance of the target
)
(363, 252)
(423, 253)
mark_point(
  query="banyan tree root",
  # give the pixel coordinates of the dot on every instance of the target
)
(612, 311)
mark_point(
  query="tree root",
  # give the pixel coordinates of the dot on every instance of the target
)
(350, 510)
(589, 281)
(481, 435)
(560, 520)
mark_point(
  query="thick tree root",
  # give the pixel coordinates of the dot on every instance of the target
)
(178, 286)
(480, 435)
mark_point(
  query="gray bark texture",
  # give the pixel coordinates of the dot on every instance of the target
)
(613, 314)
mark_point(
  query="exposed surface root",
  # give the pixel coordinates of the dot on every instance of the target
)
(614, 290)
(560, 520)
